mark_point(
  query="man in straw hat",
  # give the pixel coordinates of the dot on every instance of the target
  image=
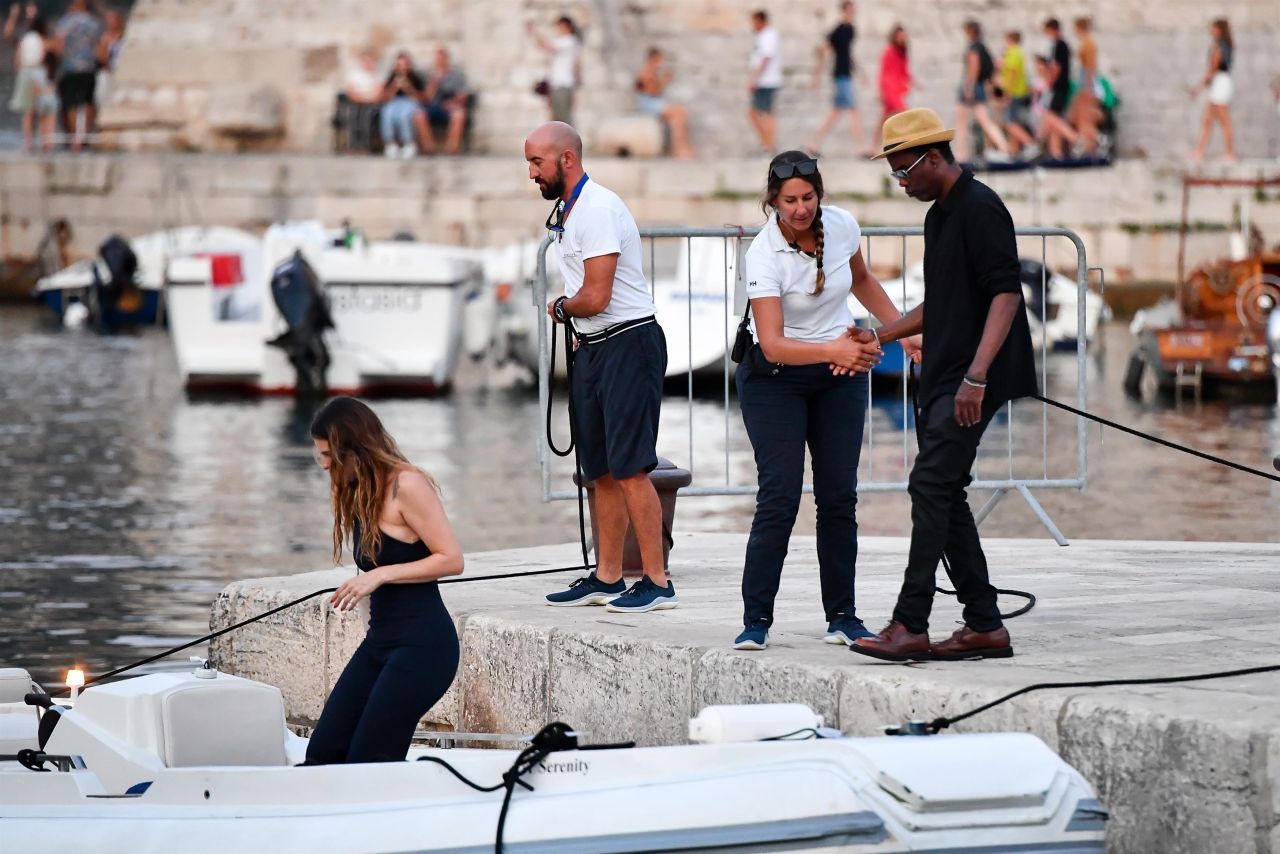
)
(977, 356)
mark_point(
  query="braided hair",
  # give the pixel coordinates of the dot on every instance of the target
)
(821, 237)
(774, 186)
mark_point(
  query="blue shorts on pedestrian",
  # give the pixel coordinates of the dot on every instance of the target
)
(762, 99)
(845, 98)
(617, 396)
(979, 95)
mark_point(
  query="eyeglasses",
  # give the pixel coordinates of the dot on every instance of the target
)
(904, 174)
(555, 221)
(783, 171)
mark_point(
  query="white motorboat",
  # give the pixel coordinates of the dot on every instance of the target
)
(202, 762)
(696, 303)
(394, 314)
(695, 306)
(70, 287)
(1052, 302)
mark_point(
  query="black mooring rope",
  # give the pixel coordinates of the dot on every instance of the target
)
(276, 610)
(941, 723)
(1156, 439)
(573, 433)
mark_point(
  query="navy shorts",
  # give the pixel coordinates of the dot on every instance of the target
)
(617, 395)
(762, 99)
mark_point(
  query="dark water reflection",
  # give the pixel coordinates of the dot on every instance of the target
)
(126, 506)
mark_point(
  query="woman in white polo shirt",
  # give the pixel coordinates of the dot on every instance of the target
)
(801, 269)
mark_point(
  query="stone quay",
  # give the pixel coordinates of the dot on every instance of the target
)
(1183, 769)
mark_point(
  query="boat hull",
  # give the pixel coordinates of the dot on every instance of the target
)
(146, 314)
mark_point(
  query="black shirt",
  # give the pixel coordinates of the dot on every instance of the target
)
(1062, 58)
(970, 256)
(841, 41)
(1224, 54)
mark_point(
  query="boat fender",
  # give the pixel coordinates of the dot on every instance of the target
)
(723, 724)
(75, 316)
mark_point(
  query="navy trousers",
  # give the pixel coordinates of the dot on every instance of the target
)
(396, 675)
(802, 405)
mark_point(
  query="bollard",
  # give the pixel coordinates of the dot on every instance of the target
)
(667, 479)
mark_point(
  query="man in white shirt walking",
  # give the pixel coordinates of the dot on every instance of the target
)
(618, 367)
(766, 77)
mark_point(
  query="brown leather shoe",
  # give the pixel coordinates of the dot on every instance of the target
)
(968, 644)
(895, 643)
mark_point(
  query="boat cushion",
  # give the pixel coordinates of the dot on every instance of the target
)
(223, 722)
(19, 726)
(15, 684)
(958, 772)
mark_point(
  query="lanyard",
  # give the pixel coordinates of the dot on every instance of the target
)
(573, 197)
(562, 209)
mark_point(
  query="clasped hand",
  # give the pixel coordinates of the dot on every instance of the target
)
(857, 351)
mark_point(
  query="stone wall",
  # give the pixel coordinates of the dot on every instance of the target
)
(276, 66)
(1127, 214)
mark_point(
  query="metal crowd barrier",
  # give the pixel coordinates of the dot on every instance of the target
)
(732, 299)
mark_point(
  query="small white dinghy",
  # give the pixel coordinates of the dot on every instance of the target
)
(202, 762)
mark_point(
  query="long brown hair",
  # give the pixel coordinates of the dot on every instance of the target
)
(1223, 26)
(774, 187)
(363, 460)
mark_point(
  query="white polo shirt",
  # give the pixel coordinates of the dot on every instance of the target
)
(768, 47)
(600, 224)
(774, 269)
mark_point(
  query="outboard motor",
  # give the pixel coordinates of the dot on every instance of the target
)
(302, 303)
(114, 293)
(1036, 278)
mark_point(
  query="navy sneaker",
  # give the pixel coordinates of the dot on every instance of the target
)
(588, 590)
(754, 636)
(644, 595)
(846, 629)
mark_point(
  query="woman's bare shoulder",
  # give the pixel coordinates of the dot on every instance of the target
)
(412, 483)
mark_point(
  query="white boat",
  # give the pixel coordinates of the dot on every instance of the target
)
(695, 307)
(697, 303)
(202, 762)
(70, 286)
(395, 306)
(1053, 319)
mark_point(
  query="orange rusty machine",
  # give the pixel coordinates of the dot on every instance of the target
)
(1223, 328)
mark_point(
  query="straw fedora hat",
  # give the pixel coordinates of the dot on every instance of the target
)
(912, 129)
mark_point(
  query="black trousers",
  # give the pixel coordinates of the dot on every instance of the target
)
(942, 523)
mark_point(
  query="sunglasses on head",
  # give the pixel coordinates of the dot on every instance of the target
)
(904, 174)
(783, 171)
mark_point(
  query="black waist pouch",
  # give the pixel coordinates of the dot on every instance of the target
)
(742, 342)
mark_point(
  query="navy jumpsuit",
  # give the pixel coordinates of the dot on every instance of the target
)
(403, 667)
